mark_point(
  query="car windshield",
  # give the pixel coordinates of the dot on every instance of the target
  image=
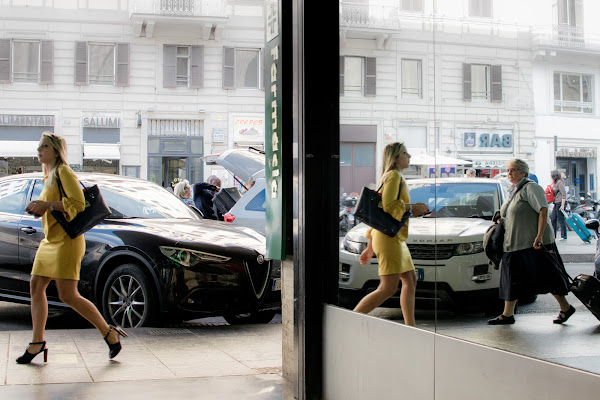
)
(459, 200)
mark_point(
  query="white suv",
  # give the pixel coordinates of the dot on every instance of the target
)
(246, 165)
(446, 247)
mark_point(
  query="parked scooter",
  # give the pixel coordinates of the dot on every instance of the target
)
(587, 207)
(347, 220)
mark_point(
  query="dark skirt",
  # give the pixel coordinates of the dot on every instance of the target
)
(529, 272)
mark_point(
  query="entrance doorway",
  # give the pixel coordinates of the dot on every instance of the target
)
(357, 166)
(574, 173)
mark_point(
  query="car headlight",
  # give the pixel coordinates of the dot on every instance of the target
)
(354, 247)
(468, 248)
(189, 258)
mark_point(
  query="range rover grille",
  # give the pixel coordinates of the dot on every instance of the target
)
(431, 251)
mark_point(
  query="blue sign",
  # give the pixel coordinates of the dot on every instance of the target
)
(577, 181)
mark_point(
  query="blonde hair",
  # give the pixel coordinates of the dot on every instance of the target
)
(60, 147)
(390, 154)
(179, 189)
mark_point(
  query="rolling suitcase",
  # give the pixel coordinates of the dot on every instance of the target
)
(578, 225)
(587, 289)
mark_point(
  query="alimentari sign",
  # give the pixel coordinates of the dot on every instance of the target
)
(26, 120)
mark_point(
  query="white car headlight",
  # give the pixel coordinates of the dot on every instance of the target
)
(354, 247)
(189, 258)
(468, 248)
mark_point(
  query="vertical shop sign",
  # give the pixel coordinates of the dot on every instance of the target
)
(275, 193)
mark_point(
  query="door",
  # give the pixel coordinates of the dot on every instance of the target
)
(175, 169)
(13, 193)
(357, 166)
(574, 172)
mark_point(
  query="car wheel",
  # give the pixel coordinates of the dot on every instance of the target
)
(528, 299)
(494, 308)
(258, 317)
(128, 298)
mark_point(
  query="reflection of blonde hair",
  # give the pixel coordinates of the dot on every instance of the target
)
(179, 189)
(60, 147)
(390, 154)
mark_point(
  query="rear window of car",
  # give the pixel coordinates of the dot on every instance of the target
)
(12, 196)
(257, 203)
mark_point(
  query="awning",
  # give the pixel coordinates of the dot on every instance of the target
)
(10, 148)
(101, 151)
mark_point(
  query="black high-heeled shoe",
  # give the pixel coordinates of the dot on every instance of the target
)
(27, 356)
(114, 348)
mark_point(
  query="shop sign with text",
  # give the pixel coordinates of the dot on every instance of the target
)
(486, 141)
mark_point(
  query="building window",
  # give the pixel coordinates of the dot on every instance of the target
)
(242, 68)
(358, 76)
(570, 12)
(573, 93)
(26, 61)
(411, 5)
(480, 8)
(101, 64)
(131, 170)
(411, 78)
(183, 66)
(482, 82)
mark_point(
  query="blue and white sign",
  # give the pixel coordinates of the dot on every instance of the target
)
(485, 140)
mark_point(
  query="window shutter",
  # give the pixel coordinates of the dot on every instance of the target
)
(466, 82)
(122, 78)
(417, 5)
(342, 66)
(562, 12)
(5, 60)
(261, 60)
(496, 71)
(474, 8)
(47, 64)
(228, 68)
(81, 60)
(169, 66)
(486, 8)
(370, 76)
(197, 67)
(579, 14)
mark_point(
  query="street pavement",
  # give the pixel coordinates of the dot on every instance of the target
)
(219, 361)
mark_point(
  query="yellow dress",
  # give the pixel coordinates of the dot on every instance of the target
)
(392, 252)
(59, 256)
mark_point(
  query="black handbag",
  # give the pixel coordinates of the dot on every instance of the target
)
(95, 211)
(493, 238)
(370, 211)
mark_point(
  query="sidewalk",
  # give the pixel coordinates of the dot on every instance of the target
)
(575, 250)
(208, 362)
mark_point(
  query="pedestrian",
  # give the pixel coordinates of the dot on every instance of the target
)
(560, 197)
(471, 173)
(203, 197)
(183, 190)
(531, 263)
(58, 257)
(395, 262)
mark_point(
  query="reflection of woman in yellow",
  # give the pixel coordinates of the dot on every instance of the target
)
(59, 257)
(395, 263)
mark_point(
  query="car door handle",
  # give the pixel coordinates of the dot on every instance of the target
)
(28, 229)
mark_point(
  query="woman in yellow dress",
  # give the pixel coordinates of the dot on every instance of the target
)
(59, 257)
(395, 262)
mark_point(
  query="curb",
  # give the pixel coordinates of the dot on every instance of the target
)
(577, 258)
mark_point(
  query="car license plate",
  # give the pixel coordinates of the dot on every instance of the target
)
(420, 274)
(276, 284)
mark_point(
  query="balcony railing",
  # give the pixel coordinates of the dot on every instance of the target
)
(564, 36)
(369, 16)
(191, 8)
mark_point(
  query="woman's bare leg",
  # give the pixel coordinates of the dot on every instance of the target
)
(388, 285)
(562, 300)
(68, 294)
(39, 309)
(407, 296)
(509, 308)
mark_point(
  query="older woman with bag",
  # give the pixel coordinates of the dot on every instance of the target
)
(531, 264)
(395, 262)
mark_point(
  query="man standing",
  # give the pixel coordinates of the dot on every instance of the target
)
(203, 197)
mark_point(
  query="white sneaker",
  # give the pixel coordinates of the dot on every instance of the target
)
(561, 239)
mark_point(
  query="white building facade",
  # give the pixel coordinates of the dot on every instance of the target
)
(144, 88)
